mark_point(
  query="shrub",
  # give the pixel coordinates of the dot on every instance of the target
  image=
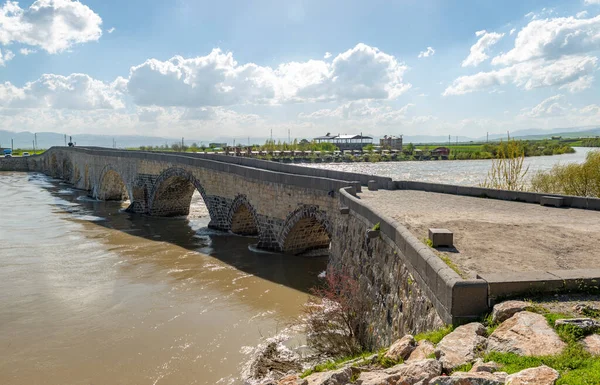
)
(571, 179)
(336, 316)
(507, 172)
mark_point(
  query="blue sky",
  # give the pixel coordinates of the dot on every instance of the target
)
(239, 68)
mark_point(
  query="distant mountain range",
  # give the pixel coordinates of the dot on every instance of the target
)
(49, 139)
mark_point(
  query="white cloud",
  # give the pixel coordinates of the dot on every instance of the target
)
(581, 14)
(27, 51)
(479, 50)
(512, 31)
(111, 30)
(553, 106)
(592, 1)
(429, 52)
(529, 75)
(76, 92)
(552, 38)
(362, 72)
(327, 55)
(53, 25)
(5, 57)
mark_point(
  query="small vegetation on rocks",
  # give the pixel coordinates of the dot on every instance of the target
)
(435, 336)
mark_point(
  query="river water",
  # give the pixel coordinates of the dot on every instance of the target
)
(90, 294)
(462, 172)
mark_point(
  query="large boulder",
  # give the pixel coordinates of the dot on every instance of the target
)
(591, 343)
(423, 350)
(292, 379)
(507, 309)
(416, 371)
(336, 377)
(377, 378)
(587, 325)
(462, 346)
(542, 375)
(401, 349)
(475, 378)
(526, 334)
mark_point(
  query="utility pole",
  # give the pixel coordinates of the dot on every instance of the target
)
(508, 134)
(12, 145)
(271, 134)
(181, 143)
(289, 135)
(65, 140)
(449, 140)
(33, 142)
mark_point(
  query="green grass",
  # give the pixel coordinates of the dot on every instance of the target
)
(435, 336)
(575, 365)
(377, 226)
(333, 364)
(451, 264)
(428, 242)
(463, 368)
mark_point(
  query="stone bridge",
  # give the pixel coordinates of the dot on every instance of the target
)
(310, 211)
(287, 211)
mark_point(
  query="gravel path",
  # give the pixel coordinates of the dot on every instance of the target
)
(494, 235)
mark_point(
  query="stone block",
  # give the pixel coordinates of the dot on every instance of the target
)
(373, 185)
(372, 234)
(469, 300)
(345, 210)
(441, 237)
(510, 284)
(551, 201)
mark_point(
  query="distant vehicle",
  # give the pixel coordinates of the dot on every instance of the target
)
(8, 156)
(7, 153)
(25, 154)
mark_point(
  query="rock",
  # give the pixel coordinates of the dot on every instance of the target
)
(401, 349)
(336, 377)
(585, 309)
(476, 378)
(591, 343)
(587, 325)
(292, 379)
(423, 350)
(480, 366)
(377, 378)
(272, 362)
(416, 371)
(505, 310)
(526, 334)
(461, 346)
(542, 375)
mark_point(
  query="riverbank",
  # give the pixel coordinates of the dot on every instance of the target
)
(518, 343)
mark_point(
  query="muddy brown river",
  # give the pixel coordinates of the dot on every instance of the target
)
(90, 294)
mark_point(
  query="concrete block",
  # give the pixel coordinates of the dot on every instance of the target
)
(593, 204)
(372, 234)
(441, 237)
(391, 185)
(345, 210)
(551, 201)
(373, 185)
(579, 280)
(511, 284)
(469, 300)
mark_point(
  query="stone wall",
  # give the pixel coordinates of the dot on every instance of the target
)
(14, 164)
(399, 304)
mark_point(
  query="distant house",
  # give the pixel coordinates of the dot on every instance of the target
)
(391, 142)
(441, 151)
(345, 142)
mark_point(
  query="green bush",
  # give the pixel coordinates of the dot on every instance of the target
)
(571, 179)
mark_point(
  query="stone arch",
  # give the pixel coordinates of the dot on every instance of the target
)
(111, 186)
(242, 218)
(306, 229)
(172, 192)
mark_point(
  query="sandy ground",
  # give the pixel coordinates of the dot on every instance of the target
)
(494, 235)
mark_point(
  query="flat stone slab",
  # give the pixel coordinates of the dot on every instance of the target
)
(542, 375)
(552, 201)
(441, 237)
(526, 334)
(507, 309)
